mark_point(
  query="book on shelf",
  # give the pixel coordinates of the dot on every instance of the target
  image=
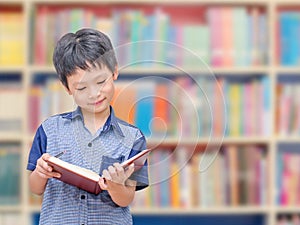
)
(206, 100)
(12, 42)
(87, 179)
(243, 43)
(236, 177)
(288, 26)
(170, 103)
(287, 176)
(46, 97)
(124, 101)
(10, 161)
(287, 107)
(12, 104)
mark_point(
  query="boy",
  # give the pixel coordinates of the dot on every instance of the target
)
(91, 136)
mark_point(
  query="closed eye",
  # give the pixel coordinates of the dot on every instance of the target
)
(101, 82)
(80, 89)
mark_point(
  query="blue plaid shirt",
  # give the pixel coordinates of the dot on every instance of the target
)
(114, 142)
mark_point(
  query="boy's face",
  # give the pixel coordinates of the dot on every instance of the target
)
(93, 89)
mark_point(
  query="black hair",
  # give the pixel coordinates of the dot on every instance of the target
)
(85, 49)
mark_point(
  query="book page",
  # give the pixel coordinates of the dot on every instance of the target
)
(76, 169)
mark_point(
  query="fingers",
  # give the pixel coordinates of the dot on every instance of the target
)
(43, 169)
(129, 170)
(43, 164)
(118, 170)
(114, 174)
(106, 175)
(117, 174)
(45, 173)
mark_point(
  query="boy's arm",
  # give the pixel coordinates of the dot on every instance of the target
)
(118, 184)
(119, 187)
(122, 195)
(39, 177)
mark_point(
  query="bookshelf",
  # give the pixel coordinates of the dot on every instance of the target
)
(27, 66)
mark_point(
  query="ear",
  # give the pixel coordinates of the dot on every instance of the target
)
(67, 90)
(116, 73)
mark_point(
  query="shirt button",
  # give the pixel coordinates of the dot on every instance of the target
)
(90, 144)
(82, 196)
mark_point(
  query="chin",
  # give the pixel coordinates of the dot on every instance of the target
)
(101, 109)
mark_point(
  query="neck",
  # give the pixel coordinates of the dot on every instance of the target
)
(94, 121)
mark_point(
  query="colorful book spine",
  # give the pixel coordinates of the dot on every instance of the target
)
(10, 178)
(227, 21)
(12, 44)
(288, 176)
(215, 27)
(144, 107)
(289, 25)
(240, 36)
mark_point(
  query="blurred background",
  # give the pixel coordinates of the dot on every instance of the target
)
(212, 84)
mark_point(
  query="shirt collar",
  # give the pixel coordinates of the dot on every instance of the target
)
(112, 120)
(74, 114)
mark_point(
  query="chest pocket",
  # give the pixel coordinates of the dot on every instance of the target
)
(109, 161)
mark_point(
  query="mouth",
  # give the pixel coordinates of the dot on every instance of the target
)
(97, 103)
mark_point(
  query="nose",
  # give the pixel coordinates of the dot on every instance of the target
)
(94, 92)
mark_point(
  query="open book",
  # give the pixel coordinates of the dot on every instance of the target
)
(88, 179)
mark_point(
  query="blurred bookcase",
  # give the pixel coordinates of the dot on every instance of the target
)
(251, 47)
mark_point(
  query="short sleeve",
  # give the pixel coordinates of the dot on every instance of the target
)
(38, 148)
(141, 175)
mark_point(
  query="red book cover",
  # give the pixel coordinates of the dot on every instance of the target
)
(34, 107)
(40, 35)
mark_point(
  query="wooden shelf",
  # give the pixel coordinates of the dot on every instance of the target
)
(33, 209)
(290, 70)
(212, 140)
(289, 209)
(228, 70)
(179, 2)
(12, 69)
(203, 211)
(11, 137)
(288, 139)
(12, 2)
(287, 2)
(8, 208)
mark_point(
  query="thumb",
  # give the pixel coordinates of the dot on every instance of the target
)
(45, 156)
(102, 184)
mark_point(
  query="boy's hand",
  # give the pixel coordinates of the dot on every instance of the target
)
(43, 169)
(115, 176)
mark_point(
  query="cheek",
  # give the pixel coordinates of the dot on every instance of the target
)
(112, 92)
(109, 90)
(113, 89)
(79, 97)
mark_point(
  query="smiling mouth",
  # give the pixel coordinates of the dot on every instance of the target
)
(98, 102)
